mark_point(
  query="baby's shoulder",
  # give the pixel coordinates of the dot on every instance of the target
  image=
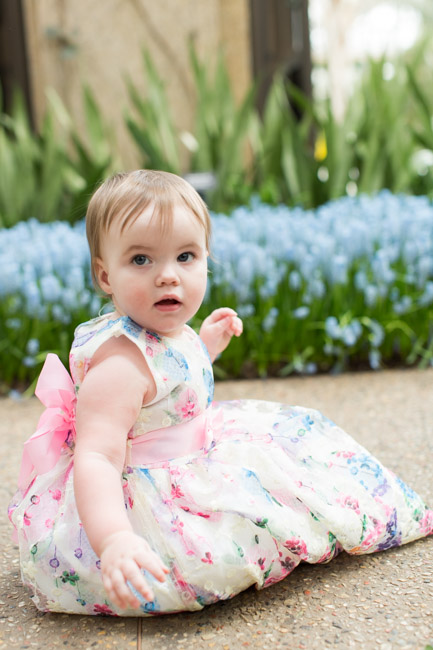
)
(113, 347)
(93, 328)
(101, 336)
(116, 346)
(117, 364)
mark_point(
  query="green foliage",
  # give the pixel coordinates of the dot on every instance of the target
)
(92, 159)
(219, 137)
(378, 144)
(50, 175)
(295, 152)
(31, 183)
(384, 145)
(153, 129)
(284, 166)
(222, 132)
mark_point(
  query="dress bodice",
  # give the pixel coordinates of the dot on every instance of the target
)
(181, 369)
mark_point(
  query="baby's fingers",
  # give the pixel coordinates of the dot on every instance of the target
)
(152, 562)
(136, 581)
(140, 588)
(219, 314)
(119, 592)
(232, 325)
(237, 326)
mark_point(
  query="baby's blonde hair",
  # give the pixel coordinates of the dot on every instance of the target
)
(126, 195)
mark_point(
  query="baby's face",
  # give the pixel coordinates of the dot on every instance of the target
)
(156, 277)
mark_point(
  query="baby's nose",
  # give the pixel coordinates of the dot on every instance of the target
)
(167, 275)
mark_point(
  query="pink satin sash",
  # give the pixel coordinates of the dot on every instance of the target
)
(175, 441)
(55, 390)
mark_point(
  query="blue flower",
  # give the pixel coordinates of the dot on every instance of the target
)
(377, 333)
(270, 320)
(13, 323)
(332, 327)
(371, 295)
(295, 280)
(426, 298)
(361, 280)
(245, 311)
(403, 305)
(310, 368)
(301, 312)
(32, 347)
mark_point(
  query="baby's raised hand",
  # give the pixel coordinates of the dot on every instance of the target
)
(123, 557)
(218, 328)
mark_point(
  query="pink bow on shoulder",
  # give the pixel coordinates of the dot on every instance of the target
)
(55, 390)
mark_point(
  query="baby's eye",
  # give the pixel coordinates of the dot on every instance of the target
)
(140, 260)
(186, 257)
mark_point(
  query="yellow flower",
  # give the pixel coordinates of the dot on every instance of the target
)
(320, 149)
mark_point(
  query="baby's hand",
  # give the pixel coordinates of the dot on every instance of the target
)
(123, 557)
(218, 328)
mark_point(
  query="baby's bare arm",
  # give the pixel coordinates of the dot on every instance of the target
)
(109, 401)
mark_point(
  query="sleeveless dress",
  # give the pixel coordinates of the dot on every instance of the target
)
(229, 494)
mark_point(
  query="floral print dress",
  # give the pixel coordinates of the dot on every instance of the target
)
(230, 494)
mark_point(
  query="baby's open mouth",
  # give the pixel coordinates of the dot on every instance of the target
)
(168, 301)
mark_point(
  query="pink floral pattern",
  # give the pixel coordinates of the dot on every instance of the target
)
(187, 405)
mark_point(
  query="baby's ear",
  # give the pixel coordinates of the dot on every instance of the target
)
(101, 275)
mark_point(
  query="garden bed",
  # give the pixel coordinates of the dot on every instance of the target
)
(347, 285)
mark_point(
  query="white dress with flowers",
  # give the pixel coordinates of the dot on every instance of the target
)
(255, 489)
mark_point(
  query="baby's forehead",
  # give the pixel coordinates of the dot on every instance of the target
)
(151, 225)
(163, 219)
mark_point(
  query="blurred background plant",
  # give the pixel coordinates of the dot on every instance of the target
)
(50, 175)
(218, 142)
(295, 151)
